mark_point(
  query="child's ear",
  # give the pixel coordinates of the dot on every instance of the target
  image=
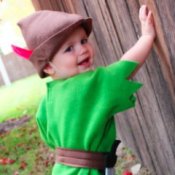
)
(48, 69)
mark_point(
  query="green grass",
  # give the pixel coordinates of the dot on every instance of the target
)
(20, 98)
(24, 146)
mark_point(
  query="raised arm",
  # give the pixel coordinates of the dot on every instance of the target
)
(140, 51)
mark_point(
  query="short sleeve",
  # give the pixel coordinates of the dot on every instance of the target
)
(122, 68)
(120, 89)
(41, 119)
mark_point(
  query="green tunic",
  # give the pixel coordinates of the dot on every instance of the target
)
(78, 112)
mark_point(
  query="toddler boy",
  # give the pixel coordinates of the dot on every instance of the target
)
(76, 115)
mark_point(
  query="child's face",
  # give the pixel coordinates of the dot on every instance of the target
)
(74, 56)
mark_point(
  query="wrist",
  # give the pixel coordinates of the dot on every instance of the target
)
(147, 37)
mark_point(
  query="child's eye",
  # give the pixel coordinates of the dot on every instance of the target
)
(84, 41)
(69, 49)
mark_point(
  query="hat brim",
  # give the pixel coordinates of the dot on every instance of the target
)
(45, 51)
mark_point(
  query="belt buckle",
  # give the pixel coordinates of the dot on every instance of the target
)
(109, 171)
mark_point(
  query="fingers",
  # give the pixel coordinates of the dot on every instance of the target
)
(147, 21)
(150, 17)
(144, 13)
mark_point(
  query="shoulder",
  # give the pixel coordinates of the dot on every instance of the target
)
(122, 68)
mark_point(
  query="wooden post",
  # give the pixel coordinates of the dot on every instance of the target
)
(4, 73)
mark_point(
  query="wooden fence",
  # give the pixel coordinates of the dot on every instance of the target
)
(149, 128)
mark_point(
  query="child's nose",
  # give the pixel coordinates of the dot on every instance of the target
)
(82, 49)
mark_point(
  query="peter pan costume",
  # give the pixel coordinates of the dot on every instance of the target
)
(78, 113)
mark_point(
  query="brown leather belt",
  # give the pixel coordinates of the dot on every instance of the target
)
(79, 158)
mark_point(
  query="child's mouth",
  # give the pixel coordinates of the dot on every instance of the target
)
(85, 62)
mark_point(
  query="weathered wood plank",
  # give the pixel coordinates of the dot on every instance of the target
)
(168, 25)
(133, 10)
(112, 33)
(120, 13)
(68, 6)
(160, 122)
(101, 32)
(164, 90)
(122, 23)
(81, 9)
(48, 5)
(148, 99)
(153, 125)
(164, 122)
(164, 44)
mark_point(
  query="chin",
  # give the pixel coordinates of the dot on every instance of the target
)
(87, 69)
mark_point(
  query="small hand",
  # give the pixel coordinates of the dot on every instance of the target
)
(147, 22)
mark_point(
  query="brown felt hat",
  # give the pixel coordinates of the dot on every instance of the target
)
(45, 31)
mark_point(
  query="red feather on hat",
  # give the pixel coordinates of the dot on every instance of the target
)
(25, 53)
